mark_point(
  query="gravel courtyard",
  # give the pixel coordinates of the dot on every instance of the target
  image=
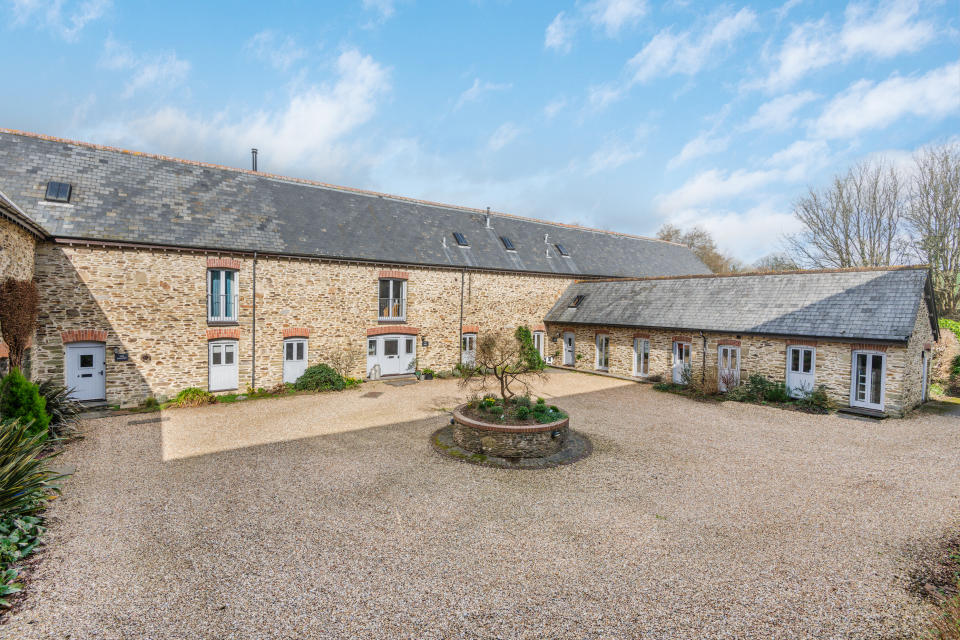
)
(331, 517)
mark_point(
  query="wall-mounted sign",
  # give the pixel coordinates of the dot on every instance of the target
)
(120, 357)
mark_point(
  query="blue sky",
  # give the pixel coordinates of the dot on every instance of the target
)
(619, 114)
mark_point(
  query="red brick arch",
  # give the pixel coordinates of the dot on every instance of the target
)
(296, 332)
(83, 335)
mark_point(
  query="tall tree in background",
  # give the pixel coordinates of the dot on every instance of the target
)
(703, 246)
(933, 218)
(775, 262)
(855, 222)
(18, 317)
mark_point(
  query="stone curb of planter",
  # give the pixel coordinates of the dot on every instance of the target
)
(508, 428)
(509, 441)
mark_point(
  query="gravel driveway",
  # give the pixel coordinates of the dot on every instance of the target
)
(330, 517)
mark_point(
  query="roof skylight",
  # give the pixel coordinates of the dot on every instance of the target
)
(461, 240)
(58, 192)
(507, 243)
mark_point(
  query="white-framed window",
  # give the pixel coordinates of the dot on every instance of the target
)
(222, 365)
(728, 367)
(409, 349)
(372, 347)
(393, 299)
(222, 295)
(801, 370)
(603, 352)
(641, 357)
(868, 385)
(538, 340)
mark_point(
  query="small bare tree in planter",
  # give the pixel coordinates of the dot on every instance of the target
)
(504, 359)
(18, 317)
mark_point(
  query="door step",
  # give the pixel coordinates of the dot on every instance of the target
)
(860, 411)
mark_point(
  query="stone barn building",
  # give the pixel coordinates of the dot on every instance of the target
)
(156, 274)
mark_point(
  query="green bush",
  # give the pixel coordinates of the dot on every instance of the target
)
(740, 393)
(64, 412)
(816, 399)
(952, 325)
(541, 401)
(349, 383)
(25, 480)
(777, 392)
(20, 399)
(521, 401)
(193, 397)
(757, 387)
(320, 377)
(521, 412)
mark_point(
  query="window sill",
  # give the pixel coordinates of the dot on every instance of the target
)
(222, 323)
(392, 320)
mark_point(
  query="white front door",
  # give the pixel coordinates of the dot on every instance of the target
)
(294, 359)
(468, 346)
(868, 386)
(681, 360)
(801, 363)
(393, 354)
(538, 342)
(569, 357)
(85, 371)
(223, 366)
(925, 371)
(728, 368)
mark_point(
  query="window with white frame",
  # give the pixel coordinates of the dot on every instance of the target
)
(641, 357)
(603, 351)
(222, 295)
(393, 299)
(538, 339)
(372, 347)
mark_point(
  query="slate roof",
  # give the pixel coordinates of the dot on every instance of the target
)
(129, 197)
(876, 304)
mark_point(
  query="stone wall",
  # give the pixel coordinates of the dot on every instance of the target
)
(152, 305)
(767, 356)
(17, 247)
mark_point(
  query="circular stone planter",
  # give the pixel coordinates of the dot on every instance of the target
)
(532, 446)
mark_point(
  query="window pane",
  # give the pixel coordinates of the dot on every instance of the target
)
(228, 355)
(409, 345)
(371, 347)
(300, 347)
(289, 351)
(228, 290)
(215, 294)
(734, 355)
(217, 356)
(807, 360)
(384, 288)
(391, 347)
(86, 360)
(876, 379)
(795, 360)
(861, 388)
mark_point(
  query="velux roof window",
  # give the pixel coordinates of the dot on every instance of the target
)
(562, 250)
(577, 300)
(507, 243)
(58, 192)
(461, 240)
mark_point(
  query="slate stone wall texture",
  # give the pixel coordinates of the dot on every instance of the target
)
(767, 356)
(152, 304)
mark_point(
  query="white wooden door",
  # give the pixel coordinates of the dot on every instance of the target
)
(223, 366)
(728, 367)
(408, 355)
(538, 342)
(85, 371)
(925, 371)
(681, 360)
(390, 360)
(569, 351)
(468, 354)
(294, 359)
(801, 365)
(868, 385)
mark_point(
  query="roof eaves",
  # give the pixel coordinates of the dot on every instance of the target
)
(10, 211)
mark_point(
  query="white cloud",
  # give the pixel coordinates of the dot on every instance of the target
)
(704, 144)
(884, 31)
(748, 234)
(309, 135)
(610, 156)
(867, 105)
(613, 15)
(158, 71)
(559, 35)
(477, 89)
(688, 53)
(383, 8)
(279, 51)
(554, 107)
(713, 185)
(63, 18)
(778, 114)
(504, 135)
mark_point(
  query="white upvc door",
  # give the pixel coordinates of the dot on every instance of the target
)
(294, 359)
(869, 379)
(681, 360)
(468, 344)
(641, 357)
(85, 371)
(728, 367)
(569, 351)
(390, 360)
(801, 367)
(394, 354)
(538, 342)
(223, 366)
(603, 352)
(408, 355)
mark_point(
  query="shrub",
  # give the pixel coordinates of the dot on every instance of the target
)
(352, 382)
(816, 399)
(25, 480)
(758, 386)
(521, 401)
(777, 392)
(193, 397)
(64, 412)
(541, 401)
(955, 373)
(522, 412)
(18, 316)
(740, 393)
(20, 399)
(320, 377)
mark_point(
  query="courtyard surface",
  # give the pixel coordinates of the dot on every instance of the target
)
(330, 517)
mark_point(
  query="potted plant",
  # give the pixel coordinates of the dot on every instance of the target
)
(428, 373)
